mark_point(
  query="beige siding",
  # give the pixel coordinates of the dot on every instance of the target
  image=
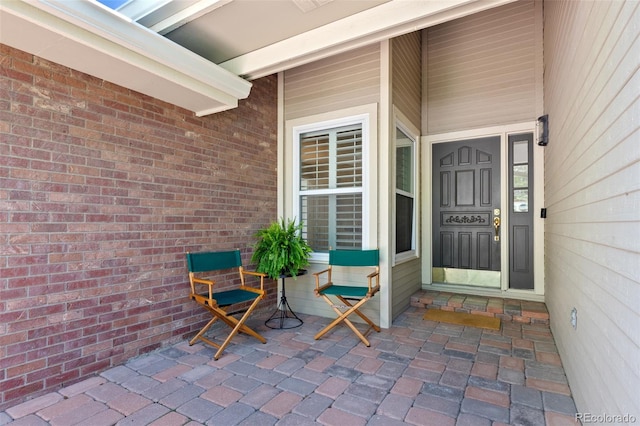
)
(481, 69)
(406, 76)
(406, 97)
(338, 82)
(592, 185)
(406, 281)
(348, 80)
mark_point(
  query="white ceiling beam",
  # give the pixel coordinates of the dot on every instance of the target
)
(93, 39)
(388, 20)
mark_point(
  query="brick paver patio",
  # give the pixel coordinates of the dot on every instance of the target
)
(417, 372)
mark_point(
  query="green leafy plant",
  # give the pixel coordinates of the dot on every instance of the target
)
(281, 249)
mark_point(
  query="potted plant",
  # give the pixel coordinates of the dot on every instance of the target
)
(281, 250)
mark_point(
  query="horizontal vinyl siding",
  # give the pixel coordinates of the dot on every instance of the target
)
(481, 69)
(406, 97)
(592, 191)
(406, 76)
(406, 281)
(342, 81)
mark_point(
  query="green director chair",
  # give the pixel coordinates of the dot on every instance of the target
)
(223, 304)
(346, 294)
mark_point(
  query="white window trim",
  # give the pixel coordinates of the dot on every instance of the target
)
(365, 121)
(401, 122)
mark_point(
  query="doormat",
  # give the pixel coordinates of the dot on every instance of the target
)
(461, 318)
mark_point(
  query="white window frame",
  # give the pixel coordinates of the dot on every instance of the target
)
(360, 119)
(400, 122)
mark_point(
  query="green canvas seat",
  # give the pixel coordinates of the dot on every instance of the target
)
(358, 260)
(223, 304)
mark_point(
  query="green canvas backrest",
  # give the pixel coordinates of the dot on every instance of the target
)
(354, 257)
(213, 260)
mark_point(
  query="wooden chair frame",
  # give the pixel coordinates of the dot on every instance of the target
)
(220, 303)
(347, 294)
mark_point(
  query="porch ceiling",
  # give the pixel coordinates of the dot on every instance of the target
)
(201, 54)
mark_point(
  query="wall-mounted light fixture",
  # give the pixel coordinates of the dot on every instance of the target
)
(543, 130)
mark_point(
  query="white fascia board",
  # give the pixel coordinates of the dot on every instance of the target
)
(391, 19)
(88, 37)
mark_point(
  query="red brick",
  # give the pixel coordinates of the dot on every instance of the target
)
(280, 405)
(17, 390)
(486, 395)
(106, 163)
(557, 419)
(26, 346)
(23, 369)
(548, 358)
(522, 343)
(512, 363)
(481, 369)
(496, 343)
(8, 339)
(44, 373)
(462, 347)
(548, 386)
(428, 365)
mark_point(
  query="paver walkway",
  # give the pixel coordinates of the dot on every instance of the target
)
(417, 372)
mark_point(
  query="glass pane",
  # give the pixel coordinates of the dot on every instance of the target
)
(348, 221)
(314, 162)
(315, 218)
(332, 221)
(520, 200)
(349, 159)
(520, 152)
(404, 168)
(331, 159)
(521, 176)
(404, 223)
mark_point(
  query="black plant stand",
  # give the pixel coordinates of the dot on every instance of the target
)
(284, 317)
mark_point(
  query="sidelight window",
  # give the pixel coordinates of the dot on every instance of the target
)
(405, 192)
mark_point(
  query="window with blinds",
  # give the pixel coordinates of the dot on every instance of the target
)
(330, 187)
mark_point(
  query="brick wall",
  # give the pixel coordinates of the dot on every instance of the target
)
(102, 191)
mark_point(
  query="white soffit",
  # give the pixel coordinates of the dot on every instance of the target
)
(388, 20)
(93, 39)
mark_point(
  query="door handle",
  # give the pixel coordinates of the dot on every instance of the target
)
(496, 225)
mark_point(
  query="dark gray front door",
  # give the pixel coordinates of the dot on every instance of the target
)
(466, 202)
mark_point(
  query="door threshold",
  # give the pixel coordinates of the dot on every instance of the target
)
(485, 291)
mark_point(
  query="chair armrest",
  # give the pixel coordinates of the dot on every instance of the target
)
(210, 283)
(373, 289)
(203, 281)
(261, 275)
(254, 273)
(321, 272)
(328, 282)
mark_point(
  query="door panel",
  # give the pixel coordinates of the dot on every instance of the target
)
(466, 193)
